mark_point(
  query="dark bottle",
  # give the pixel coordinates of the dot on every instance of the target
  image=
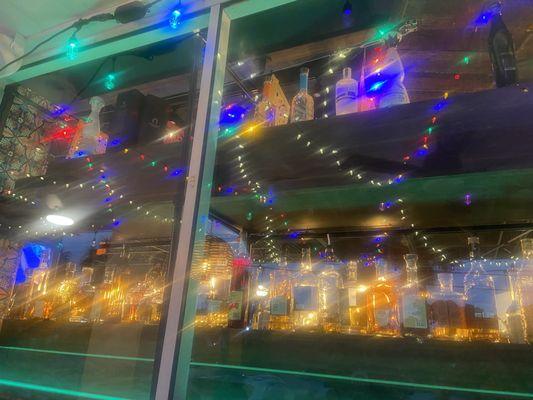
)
(238, 297)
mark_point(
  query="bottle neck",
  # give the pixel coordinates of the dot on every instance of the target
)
(304, 82)
(411, 267)
(306, 264)
(473, 245)
(347, 73)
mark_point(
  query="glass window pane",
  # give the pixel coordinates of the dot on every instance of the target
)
(93, 161)
(373, 167)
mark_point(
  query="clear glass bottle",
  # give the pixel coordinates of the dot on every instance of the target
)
(280, 297)
(346, 93)
(305, 295)
(329, 285)
(514, 323)
(383, 303)
(40, 303)
(355, 307)
(261, 305)
(413, 310)
(447, 310)
(525, 286)
(303, 105)
(265, 112)
(480, 308)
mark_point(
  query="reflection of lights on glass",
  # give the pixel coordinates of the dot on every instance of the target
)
(212, 282)
(362, 288)
(261, 291)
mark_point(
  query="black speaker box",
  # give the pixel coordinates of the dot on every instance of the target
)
(125, 123)
(153, 121)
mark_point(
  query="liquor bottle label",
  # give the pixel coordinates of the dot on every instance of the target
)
(279, 305)
(305, 298)
(214, 306)
(235, 305)
(382, 316)
(352, 297)
(414, 312)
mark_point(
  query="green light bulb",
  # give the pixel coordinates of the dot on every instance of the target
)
(72, 48)
(110, 81)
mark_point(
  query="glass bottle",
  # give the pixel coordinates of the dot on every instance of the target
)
(305, 295)
(329, 283)
(346, 93)
(265, 112)
(447, 310)
(515, 329)
(238, 296)
(413, 310)
(84, 297)
(303, 105)
(280, 297)
(355, 312)
(383, 303)
(261, 309)
(525, 286)
(40, 301)
(480, 308)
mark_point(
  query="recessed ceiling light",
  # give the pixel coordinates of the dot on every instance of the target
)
(59, 220)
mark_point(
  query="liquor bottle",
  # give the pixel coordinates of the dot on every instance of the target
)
(346, 93)
(303, 105)
(113, 295)
(265, 111)
(447, 310)
(515, 329)
(40, 302)
(480, 309)
(260, 317)
(305, 295)
(64, 293)
(525, 286)
(383, 303)
(413, 310)
(355, 307)
(83, 297)
(329, 283)
(238, 296)
(202, 297)
(280, 297)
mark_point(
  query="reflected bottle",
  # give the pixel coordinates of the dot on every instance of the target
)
(265, 112)
(355, 307)
(305, 295)
(261, 307)
(413, 310)
(447, 310)
(303, 105)
(383, 303)
(329, 284)
(480, 308)
(41, 302)
(280, 297)
(525, 286)
(346, 93)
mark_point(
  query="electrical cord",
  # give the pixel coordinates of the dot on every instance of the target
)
(76, 25)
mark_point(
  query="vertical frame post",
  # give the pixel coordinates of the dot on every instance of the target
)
(176, 348)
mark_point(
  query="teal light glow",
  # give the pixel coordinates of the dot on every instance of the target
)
(175, 18)
(68, 353)
(110, 82)
(63, 392)
(72, 48)
(368, 380)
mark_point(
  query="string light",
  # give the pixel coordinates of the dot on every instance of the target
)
(175, 16)
(73, 47)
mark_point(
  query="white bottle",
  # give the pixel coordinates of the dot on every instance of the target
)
(346, 93)
(90, 142)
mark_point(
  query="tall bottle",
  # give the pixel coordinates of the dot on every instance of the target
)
(305, 295)
(346, 93)
(525, 286)
(265, 111)
(447, 310)
(40, 300)
(480, 309)
(383, 303)
(413, 310)
(355, 307)
(303, 105)
(238, 296)
(260, 308)
(514, 323)
(280, 297)
(329, 283)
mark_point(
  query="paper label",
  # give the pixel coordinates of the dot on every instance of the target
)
(235, 305)
(414, 312)
(279, 305)
(305, 298)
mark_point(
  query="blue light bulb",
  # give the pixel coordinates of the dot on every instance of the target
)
(175, 18)
(72, 48)
(110, 82)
